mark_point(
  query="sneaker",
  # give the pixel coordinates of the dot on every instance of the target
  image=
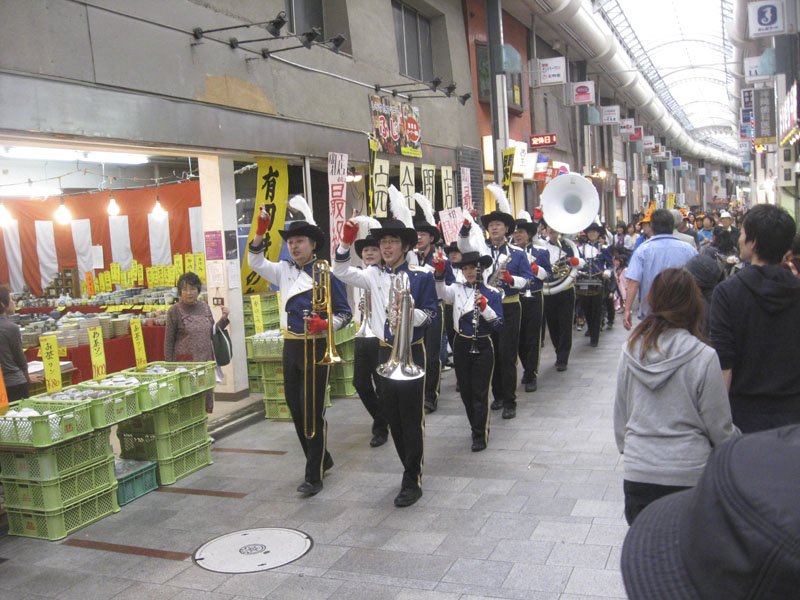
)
(446, 367)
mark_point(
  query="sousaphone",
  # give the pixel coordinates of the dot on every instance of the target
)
(569, 204)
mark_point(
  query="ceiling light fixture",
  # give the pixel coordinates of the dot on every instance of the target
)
(273, 26)
(113, 207)
(62, 215)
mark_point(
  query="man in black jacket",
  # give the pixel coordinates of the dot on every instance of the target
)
(754, 320)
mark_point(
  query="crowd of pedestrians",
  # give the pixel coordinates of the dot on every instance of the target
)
(707, 408)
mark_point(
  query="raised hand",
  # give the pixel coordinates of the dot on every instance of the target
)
(263, 222)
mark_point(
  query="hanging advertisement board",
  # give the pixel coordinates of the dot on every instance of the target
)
(395, 126)
(583, 92)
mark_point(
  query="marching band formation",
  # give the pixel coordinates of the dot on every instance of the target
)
(489, 300)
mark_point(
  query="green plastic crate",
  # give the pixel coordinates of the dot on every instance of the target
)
(256, 385)
(169, 386)
(148, 446)
(347, 350)
(55, 461)
(273, 389)
(343, 370)
(58, 524)
(169, 418)
(147, 392)
(276, 409)
(66, 421)
(342, 387)
(120, 404)
(253, 369)
(266, 347)
(57, 493)
(272, 369)
(346, 333)
(194, 459)
(199, 376)
(135, 479)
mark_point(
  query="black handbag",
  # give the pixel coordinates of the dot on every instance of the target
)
(223, 348)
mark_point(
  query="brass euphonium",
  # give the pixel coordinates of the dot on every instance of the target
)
(321, 301)
(400, 365)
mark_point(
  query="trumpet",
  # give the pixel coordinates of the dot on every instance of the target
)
(400, 365)
(321, 301)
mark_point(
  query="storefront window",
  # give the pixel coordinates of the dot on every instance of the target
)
(414, 44)
(303, 15)
(514, 87)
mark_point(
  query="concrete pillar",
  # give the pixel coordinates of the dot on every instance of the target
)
(218, 201)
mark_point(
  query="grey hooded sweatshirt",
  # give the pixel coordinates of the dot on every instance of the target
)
(671, 409)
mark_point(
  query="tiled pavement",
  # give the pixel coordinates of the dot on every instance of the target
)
(538, 515)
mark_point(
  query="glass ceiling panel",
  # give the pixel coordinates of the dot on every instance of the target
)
(684, 40)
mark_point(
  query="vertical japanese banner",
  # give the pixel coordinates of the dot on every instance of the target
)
(429, 183)
(177, 263)
(380, 188)
(337, 196)
(97, 353)
(200, 265)
(448, 189)
(188, 260)
(451, 221)
(508, 164)
(52, 367)
(140, 273)
(89, 284)
(258, 317)
(373, 154)
(138, 344)
(466, 190)
(272, 192)
(114, 272)
(407, 185)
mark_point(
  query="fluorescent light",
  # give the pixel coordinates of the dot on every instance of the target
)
(29, 190)
(65, 155)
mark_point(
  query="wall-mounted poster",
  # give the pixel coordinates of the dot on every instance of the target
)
(395, 126)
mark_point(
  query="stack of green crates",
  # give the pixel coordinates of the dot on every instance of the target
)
(51, 491)
(270, 305)
(342, 373)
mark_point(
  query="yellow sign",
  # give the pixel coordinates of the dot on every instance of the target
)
(380, 187)
(200, 265)
(407, 185)
(138, 344)
(84, 289)
(97, 352)
(123, 279)
(149, 271)
(62, 352)
(670, 200)
(140, 273)
(272, 193)
(115, 273)
(52, 367)
(188, 260)
(107, 281)
(177, 262)
(89, 283)
(258, 322)
(508, 165)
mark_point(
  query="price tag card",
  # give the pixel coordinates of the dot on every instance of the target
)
(258, 322)
(97, 352)
(200, 265)
(107, 281)
(149, 271)
(89, 284)
(140, 273)
(177, 262)
(138, 344)
(115, 271)
(52, 368)
(188, 260)
(84, 289)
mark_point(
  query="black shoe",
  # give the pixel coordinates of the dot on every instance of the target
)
(561, 366)
(478, 445)
(407, 497)
(327, 464)
(526, 379)
(379, 439)
(593, 344)
(587, 334)
(509, 412)
(530, 386)
(497, 405)
(310, 488)
(609, 325)
(430, 407)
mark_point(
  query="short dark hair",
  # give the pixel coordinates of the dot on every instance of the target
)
(191, 279)
(723, 240)
(5, 297)
(772, 229)
(662, 221)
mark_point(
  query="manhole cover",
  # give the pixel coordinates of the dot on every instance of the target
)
(253, 550)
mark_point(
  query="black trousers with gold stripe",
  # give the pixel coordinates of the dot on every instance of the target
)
(506, 347)
(474, 373)
(294, 371)
(402, 405)
(530, 334)
(433, 365)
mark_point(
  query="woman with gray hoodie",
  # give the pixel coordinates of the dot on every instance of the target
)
(671, 405)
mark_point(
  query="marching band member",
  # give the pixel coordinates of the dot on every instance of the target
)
(559, 309)
(427, 236)
(305, 383)
(511, 279)
(532, 302)
(453, 256)
(473, 353)
(365, 379)
(597, 265)
(402, 401)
